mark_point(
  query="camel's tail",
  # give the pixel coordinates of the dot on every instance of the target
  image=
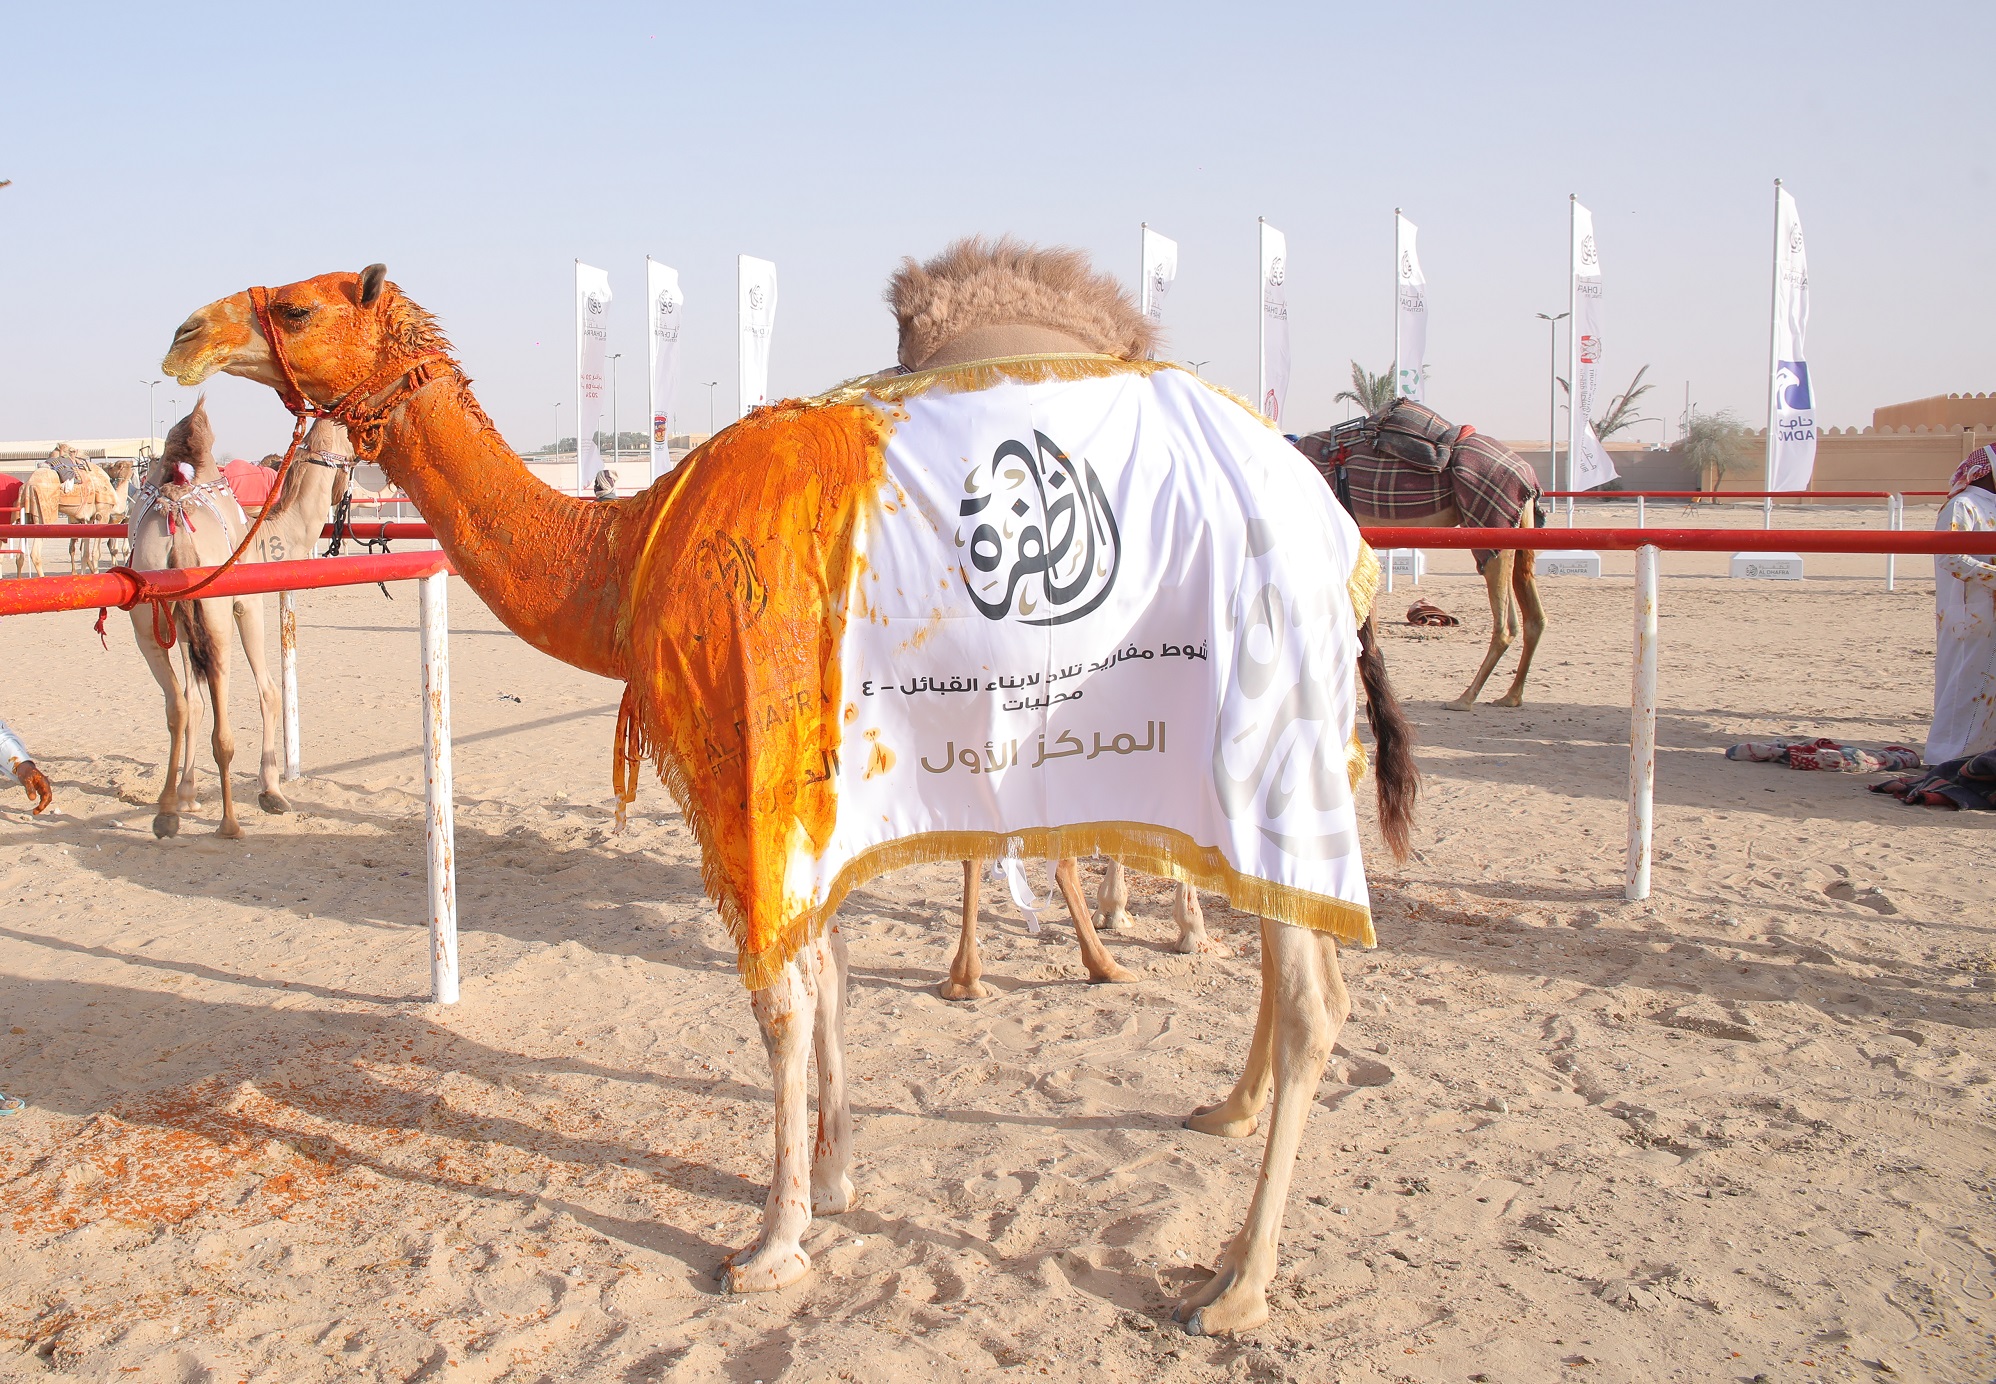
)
(187, 618)
(1397, 778)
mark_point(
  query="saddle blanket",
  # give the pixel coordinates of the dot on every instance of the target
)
(1076, 605)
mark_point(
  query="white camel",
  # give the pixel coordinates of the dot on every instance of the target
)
(186, 517)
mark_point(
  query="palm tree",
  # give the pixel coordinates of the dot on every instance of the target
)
(1621, 409)
(1714, 443)
(1368, 391)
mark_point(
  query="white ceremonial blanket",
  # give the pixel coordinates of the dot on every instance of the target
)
(1117, 614)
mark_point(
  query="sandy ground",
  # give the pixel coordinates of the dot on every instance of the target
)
(1740, 1132)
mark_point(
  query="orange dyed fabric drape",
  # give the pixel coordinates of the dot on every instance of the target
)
(734, 626)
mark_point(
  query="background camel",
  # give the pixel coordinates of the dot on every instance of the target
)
(189, 518)
(560, 573)
(69, 488)
(1426, 474)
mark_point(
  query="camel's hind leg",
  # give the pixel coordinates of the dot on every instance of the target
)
(166, 819)
(1235, 1117)
(1503, 625)
(207, 634)
(1101, 966)
(1310, 1007)
(966, 967)
(1191, 920)
(1525, 583)
(249, 624)
(188, 793)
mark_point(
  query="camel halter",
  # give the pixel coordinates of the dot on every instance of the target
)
(362, 410)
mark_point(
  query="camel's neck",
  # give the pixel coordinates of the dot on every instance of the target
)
(549, 566)
(298, 515)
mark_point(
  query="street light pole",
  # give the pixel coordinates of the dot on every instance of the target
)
(1552, 397)
(710, 406)
(1196, 366)
(554, 448)
(152, 414)
(616, 431)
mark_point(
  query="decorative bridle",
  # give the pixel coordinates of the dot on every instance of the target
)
(362, 410)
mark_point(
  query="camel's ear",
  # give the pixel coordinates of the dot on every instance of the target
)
(371, 280)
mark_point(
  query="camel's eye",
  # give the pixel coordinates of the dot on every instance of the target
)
(294, 313)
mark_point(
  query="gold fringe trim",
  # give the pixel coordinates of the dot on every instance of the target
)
(1363, 585)
(1153, 850)
(1030, 369)
(1355, 760)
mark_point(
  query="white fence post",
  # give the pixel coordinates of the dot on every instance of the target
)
(439, 833)
(287, 663)
(1389, 570)
(1640, 513)
(1895, 520)
(1642, 727)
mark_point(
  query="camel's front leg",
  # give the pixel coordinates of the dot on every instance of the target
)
(1310, 1007)
(1525, 584)
(966, 967)
(1503, 622)
(1112, 900)
(831, 1157)
(224, 738)
(1101, 966)
(786, 1012)
(249, 624)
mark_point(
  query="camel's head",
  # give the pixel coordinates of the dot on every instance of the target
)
(338, 331)
(980, 299)
(190, 450)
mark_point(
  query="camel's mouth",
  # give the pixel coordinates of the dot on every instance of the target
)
(211, 340)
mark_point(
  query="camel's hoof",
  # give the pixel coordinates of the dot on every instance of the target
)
(165, 824)
(765, 1272)
(1457, 705)
(1234, 1310)
(272, 801)
(1510, 701)
(1113, 975)
(973, 990)
(1114, 920)
(834, 1201)
(229, 830)
(1209, 1119)
(1202, 945)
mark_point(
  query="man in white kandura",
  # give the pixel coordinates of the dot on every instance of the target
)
(1965, 620)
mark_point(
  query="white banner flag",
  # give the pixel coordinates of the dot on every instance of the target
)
(1160, 267)
(662, 293)
(1274, 380)
(592, 379)
(1587, 460)
(1410, 327)
(1791, 437)
(755, 281)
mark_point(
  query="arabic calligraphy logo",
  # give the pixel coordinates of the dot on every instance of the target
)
(1795, 240)
(755, 297)
(1278, 723)
(1587, 254)
(1791, 385)
(1044, 531)
(668, 316)
(1407, 266)
(594, 301)
(1275, 271)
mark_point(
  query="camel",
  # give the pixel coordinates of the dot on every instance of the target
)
(671, 590)
(1466, 481)
(187, 517)
(69, 488)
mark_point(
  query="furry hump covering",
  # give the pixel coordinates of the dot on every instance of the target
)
(1006, 282)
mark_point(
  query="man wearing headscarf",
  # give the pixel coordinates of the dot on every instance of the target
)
(1965, 620)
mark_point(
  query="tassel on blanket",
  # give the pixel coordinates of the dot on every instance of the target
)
(1826, 755)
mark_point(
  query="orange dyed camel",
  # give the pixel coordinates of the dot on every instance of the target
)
(717, 596)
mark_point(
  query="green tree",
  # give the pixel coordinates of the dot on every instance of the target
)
(1368, 391)
(1622, 408)
(1715, 444)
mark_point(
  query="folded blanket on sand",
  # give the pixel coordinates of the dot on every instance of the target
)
(1968, 782)
(1826, 755)
(1428, 613)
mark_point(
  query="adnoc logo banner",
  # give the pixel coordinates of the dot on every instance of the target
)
(1792, 442)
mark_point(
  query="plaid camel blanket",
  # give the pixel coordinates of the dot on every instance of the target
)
(1486, 483)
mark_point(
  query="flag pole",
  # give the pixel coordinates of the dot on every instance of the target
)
(1572, 344)
(1773, 362)
(1143, 270)
(1260, 314)
(1396, 302)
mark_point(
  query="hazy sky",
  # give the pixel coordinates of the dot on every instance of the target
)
(163, 156)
